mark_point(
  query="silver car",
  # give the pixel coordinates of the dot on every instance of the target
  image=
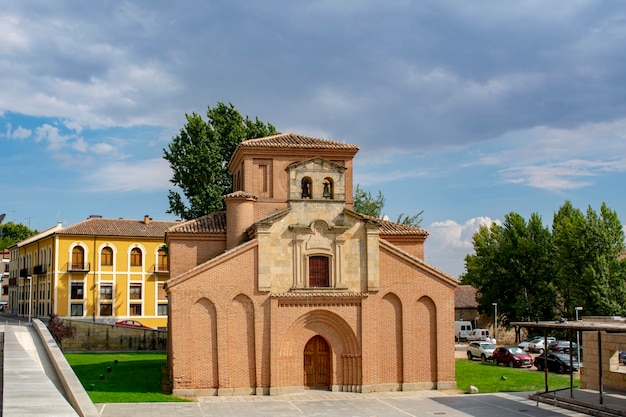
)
(482, 350)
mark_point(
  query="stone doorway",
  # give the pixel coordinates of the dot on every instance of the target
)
(317, 364)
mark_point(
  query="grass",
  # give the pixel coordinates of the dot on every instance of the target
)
(488, 377)
(136, 377)
(121, 377)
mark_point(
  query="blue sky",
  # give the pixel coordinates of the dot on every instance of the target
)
(466, 110)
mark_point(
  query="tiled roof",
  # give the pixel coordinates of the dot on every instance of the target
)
(397, 229)
(118, 227)
(465, 297)
(293, 140)
(240, 194)
(211, 223)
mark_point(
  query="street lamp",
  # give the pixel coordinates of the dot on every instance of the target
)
(495, 320)
(30, 296)
(576, 310)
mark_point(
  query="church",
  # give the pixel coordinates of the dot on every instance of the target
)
(289, 289)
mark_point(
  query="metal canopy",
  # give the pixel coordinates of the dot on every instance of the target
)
(618, 325)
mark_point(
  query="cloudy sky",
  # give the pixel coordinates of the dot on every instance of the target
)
(465, 110)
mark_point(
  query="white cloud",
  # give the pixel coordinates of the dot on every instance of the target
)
(146, 175)
(449, 242)
(51, 135)
(19, 133)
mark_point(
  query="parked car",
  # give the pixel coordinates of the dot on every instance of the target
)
(562, 346)
(557, 362)
(4, 306)
(539, 345)
(132, 323)
(512, 356)
(524, 344)
(482, 350)
(622, 357)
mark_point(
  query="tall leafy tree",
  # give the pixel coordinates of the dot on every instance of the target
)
(587, 250)
(11, 233)
(366, 203)
(510, 266)
(533, 271)
(199, 154)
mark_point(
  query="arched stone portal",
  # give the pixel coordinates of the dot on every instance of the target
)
(317, 364)
(344, 352)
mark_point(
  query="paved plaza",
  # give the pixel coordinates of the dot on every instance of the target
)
(316, 403)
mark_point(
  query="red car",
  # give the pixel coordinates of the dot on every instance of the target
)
(513, 357)
(131, 323)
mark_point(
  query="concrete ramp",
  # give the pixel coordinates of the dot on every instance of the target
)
(28, 390)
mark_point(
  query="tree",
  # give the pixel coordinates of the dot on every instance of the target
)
(365, 203)
(533, 271)
(199, 155)
(587, 249)
(511, 266)
(11, 233)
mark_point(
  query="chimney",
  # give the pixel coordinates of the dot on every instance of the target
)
(146, 219)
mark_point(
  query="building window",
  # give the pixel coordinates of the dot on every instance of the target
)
(135, 257)
(135, 292)
(162, 265)
(106, 292)
(135, 309)
(77, 291)
(78, 258)
(162, 310)
(329, 188)
(106, 309)
(77, 310)
(106, 256)
(319, 271)
(305, 184)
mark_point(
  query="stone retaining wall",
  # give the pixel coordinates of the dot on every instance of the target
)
(93, 337)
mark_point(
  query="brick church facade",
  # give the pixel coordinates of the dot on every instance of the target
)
(290, 289)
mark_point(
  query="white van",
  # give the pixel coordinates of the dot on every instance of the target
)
(461, 330)
(478, 334)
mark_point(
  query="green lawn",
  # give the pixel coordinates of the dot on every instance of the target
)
(488, 377)
(136, 377)
(121, 377)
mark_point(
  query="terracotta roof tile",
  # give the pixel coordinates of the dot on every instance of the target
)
(397, 229)
(240, 194)
(293, 140)
(118, 227)
(465, 297)
(211, 223)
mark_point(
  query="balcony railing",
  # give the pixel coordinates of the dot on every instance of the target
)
(24, 272)
(161, 269)
(78, 267)
(40, 269)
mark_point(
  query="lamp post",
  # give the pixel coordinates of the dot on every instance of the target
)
(495, 320)
(576, 310)
(30, 297)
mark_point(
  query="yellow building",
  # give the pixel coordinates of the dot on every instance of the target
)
(104, 270)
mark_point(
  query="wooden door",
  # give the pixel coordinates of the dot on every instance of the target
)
(317, 364)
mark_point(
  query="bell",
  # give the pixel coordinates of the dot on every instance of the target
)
(326, 193)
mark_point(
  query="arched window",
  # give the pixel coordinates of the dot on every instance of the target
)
(305, 183)
(78, 257)
(329, 188)
(319, 271)
(135, 257)
(106, 256)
